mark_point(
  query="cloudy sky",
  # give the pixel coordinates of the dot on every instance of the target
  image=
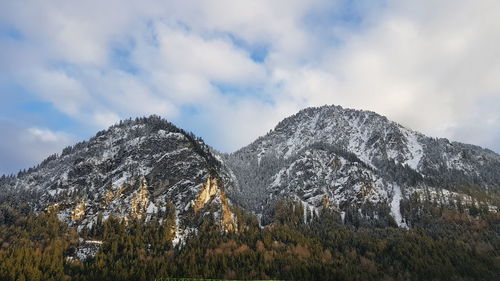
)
(230, 70)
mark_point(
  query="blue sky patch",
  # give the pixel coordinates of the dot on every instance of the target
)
(120, 56)
(11, 32)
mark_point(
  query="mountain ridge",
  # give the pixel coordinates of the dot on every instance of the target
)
(54, 155)
(394, 157)
(323, 157)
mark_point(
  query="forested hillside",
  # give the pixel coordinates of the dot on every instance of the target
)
(443, 244)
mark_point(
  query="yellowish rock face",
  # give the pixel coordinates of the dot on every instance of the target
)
(210, 189)
(79, 211)
(325, 202)
(140, 201)
(53, 208)
(228, 222)
(110, 195)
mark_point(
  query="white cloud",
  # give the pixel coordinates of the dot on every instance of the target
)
(421, 64)
(214, 59)
(424, 64)
(45, 135)
(66, 93)
(105, 119)
(23, 147)
(184, 67)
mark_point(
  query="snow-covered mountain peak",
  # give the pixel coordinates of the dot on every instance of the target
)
(381, 161)
(368, 135)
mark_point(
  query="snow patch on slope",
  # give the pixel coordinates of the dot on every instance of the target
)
(395, 206)
(415, 149)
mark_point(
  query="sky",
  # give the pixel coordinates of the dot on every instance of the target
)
(229, 71)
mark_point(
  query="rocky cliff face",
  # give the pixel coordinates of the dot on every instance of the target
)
(212, 190)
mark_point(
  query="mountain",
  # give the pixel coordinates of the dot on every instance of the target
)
(343, 159)
(133, 170)
(357, 163)
(329, 194)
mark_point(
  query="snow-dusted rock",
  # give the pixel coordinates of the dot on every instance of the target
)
(353, 157)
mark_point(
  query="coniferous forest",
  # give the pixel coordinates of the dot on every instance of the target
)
(443, 244)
